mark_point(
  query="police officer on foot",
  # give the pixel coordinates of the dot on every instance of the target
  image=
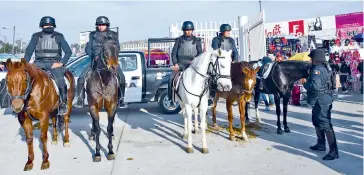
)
(185, 49)
(93, 49)
(48, 45)
(319, 86)
(224, 42)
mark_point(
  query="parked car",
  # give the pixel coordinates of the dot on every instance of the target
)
(143, 84)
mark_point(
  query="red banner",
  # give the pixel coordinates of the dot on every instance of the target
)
(296, 28)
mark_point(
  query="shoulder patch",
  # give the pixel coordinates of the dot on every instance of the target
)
(317, 72)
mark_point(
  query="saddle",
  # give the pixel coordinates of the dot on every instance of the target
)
(266, 69)
(50, 75)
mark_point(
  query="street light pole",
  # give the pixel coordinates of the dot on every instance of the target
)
(4, 42)
(260, 6)
(12, 50)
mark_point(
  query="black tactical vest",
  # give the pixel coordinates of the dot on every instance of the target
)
(187, 51)
(99, 38)
(226, 44)
(47, 47)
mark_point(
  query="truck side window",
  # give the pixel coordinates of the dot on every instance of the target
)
(128, 63)
(79, 66)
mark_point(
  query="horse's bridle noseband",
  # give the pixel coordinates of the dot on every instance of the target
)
(27, 90)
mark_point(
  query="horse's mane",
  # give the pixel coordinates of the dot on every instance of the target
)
(196, 62)
(297, 64)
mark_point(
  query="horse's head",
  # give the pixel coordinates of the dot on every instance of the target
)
(18, 83)
(110, 55)
(221, 65)
(250, 75)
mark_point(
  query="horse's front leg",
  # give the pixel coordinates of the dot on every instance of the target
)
(195, 111)
(278, 112)
(55, 130)
(94, 111)
(242, 109)
(285, 109)
(44, 122)
(229, 107)
(185, 126)
(188, 113)
(203, 110)
(26, 124)
(217, 96)
(111, 111)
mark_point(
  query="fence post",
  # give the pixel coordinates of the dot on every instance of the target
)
(243, 38)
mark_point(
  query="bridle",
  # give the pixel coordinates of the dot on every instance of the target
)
(215, 68)
(27, 90)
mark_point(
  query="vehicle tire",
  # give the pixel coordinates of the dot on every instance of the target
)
(162, 104)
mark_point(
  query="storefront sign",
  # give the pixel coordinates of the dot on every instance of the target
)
(296, 28)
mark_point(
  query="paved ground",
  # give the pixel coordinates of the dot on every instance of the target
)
(148, 142)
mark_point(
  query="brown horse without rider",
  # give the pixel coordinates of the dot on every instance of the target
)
(243, 78)
(33, 96)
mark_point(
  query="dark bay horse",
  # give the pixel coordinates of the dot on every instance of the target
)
(102, 92)
(243, 78)
(33, 96)
(280, 82)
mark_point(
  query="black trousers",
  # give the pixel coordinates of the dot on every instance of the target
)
(58, 73)
(321, 116)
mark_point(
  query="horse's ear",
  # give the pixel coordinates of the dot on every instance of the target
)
(8, 64)
(245, 70)
(257, 69)
(23, 61)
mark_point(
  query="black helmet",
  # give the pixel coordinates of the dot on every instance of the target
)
(225, 27)
(317, 55)
(102, 20)
(188, 25)
(47, 20)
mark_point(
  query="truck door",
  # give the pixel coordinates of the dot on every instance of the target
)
(131, 66)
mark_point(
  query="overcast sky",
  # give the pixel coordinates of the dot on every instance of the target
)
(142, 20)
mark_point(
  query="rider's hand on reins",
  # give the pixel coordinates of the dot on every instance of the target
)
(57, 65)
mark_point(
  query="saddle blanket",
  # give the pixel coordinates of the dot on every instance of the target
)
(55, 84)
(266, 69)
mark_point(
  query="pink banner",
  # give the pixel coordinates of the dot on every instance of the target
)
(348, 25)
(349, 20)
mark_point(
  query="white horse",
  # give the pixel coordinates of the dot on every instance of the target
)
(193, 89)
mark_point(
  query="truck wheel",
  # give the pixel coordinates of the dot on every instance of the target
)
(165, 107)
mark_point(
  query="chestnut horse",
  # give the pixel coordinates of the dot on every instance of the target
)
(33, 96)
(243, 78)
(102, 92)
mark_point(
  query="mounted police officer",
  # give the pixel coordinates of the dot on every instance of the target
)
(319, 86)
(185, 49)
(93, 49)
(48, 45)
(225, 42)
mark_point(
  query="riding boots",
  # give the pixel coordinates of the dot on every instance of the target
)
(320, 145)
(334, 150)
(62, 109)
(80, 94)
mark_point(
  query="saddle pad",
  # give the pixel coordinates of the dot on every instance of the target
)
(266, 69)
(56, 87)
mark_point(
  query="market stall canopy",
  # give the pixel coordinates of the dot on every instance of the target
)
(300, 57)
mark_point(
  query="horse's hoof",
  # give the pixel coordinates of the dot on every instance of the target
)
(45, 165)
(66, 144)
(111, 157)
(28, 167)
(279, 131)
(232, 138)
(97, 158)
(287, 130)
(189, 150)
(54, 142)
(185, 136)
(91, 138)
(205, 150)
(216, 126)
(247, 121)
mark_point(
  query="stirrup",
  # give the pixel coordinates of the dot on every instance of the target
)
(79, 102)
(61, 112)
